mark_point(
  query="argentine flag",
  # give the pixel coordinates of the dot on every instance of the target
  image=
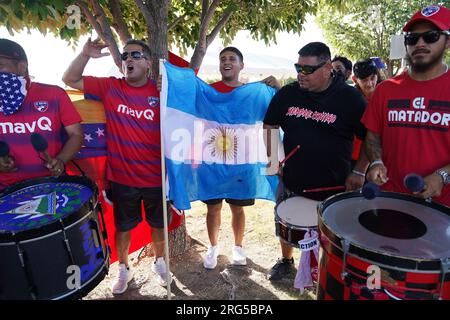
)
(213, 142)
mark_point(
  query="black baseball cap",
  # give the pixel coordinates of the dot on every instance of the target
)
(12, 50)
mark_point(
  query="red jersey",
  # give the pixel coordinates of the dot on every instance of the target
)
(412, 118)
(46, 110)
(222, 87)
(132, 122)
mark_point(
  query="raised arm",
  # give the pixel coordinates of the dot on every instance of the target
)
(73, 77)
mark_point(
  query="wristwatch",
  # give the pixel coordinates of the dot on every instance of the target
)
(444, 175)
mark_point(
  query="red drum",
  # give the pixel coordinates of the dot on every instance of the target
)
(294, 217)
(394, 247)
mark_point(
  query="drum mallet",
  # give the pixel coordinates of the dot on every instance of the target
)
(4, 149)
(413, 182)
(370, 190)
(40, 145)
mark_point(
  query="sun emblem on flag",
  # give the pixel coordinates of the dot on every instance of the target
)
(223, 143)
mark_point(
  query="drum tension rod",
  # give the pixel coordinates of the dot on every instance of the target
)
(445, 263)
(26, 270)
(345, 247)
(66, 242)
(69, 251)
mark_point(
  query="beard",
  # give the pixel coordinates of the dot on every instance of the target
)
(423, 66)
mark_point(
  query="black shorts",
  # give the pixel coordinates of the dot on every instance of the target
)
(236, 202)
(128, 203)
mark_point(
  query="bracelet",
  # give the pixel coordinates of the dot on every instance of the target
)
(375, 162)
(359, 173)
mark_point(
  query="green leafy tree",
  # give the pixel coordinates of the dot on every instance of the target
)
(359, 29)
(163, 23)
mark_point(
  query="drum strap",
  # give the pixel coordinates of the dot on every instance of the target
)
(26, 270)
(78, 167)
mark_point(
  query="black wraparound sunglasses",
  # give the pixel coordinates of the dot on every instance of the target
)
(411, 38)
(306, 70)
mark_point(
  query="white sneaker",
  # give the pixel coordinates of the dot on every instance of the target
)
(125, 276)
(159, 268)
(239, 258)
(210, 259)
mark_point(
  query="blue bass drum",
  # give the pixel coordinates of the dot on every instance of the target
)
(52, 239)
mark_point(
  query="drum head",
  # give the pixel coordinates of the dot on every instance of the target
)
(298, 211)
(41, 204)
(396, 224)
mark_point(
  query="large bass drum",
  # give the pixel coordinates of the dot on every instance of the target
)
(52, 241)
(395, 246)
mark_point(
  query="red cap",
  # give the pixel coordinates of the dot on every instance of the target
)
(437, 15)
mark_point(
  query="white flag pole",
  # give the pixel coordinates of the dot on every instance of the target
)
(162, 106)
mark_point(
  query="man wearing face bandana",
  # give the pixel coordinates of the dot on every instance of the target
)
(27, 107)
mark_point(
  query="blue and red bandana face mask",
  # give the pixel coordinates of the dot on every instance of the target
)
(13, 89)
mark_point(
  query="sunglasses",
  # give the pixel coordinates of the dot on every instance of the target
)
(306, 70)
(431, 36)
(135, 55)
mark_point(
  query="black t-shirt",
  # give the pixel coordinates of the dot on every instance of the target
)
(323, 125)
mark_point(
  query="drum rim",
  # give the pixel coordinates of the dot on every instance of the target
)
(295, 227)
(22, 235)
(335, 239)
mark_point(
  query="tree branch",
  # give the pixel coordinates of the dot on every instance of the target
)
(177, 21)
(107, 34)
(89, 16)
(205, 6)
(207, 19)
(144, 10)
(222, 22)
(122, 28)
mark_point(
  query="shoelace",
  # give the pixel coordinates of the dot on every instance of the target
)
(123, 274)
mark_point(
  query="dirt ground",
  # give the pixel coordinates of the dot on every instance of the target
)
(226, 282)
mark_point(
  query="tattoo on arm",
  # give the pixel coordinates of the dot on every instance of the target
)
(372, 146)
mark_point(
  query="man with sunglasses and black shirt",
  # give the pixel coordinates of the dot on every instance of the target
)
(133, 147)
(408, 117)
(30, 107)
(321, 114)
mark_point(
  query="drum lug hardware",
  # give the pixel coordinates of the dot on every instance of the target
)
(445, 264)
(66, 242)
(23, 263)
(345, 247)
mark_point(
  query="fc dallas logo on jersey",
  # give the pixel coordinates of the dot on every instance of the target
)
(41, 106)
(153, 101)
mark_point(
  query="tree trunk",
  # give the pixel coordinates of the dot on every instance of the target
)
(158, 11)
(179, 242)
(198, 55)
(156, 14)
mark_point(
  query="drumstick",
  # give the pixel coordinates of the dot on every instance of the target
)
(325, 189)
(290, 154)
